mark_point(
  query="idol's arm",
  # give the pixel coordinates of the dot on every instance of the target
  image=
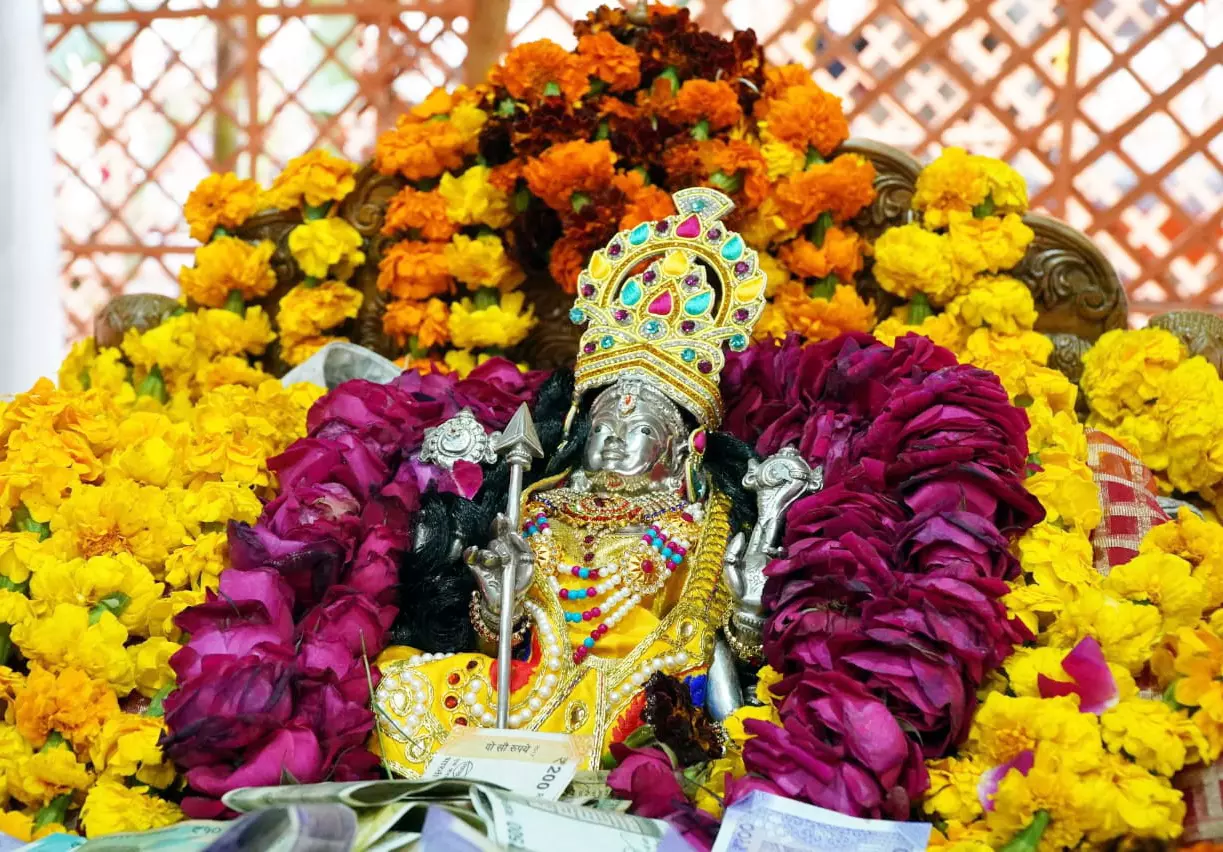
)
(777, 481)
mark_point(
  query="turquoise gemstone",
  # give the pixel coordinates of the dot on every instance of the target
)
(577, 315)
(607, 342)
(676, 559)
(698, 304)
(667, 552)
(698, 205)
(640, 234)
(631, 294)
(583, 573)
(588, 642)
(738, 343)
(688, 355)
(733, 248)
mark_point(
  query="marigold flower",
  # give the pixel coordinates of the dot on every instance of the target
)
(151, 660)
(782, 159)
(221, 332)
(420, 214)
(472, 199)
(1005, 726)
(1124, 371)
(118, 516)
(1164, 580)
(126, 747)
(645, 202)
(482, 262)
(911, 260)
(501, 325)
(16, 551)
(1000, 303)
(163, 612)
(314, 179)
(566, 262)
(307, 311)
(45, 775)
(779, 78)
(803, 117)
(72, 703)
(67, 638)
(1128, 801)
(840, 255)
(820, 318)
(1157, 737)
(957, 182)
(426, 321)
(319, 245)
(990, 244)
(840, 188)
(111, 807)
(223, 200)
(570, 167)
(117, 580)
(1126, 631)
(1058, 558)
(1190, 405)
(713, 101)
(415, 271)
(1050, 786)
(1196, 540)
(616, 64)
(953, 793)
(538, 69)
(420, 150)
(225, 265)
(217, 502)
(942, 329)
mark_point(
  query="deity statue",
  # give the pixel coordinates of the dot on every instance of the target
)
(646, 552)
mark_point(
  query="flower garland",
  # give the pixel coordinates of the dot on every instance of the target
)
(114, 489)
(275, 680)
(1144, 389)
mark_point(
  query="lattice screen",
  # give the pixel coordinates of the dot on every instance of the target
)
(154, 94)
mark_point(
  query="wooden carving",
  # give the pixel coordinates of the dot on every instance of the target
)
(1201, 332)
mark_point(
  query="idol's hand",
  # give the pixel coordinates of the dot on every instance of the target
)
(743, 570)
(488, 565)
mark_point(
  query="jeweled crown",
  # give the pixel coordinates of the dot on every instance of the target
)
(662, 299)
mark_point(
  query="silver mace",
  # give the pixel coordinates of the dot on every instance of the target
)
(518, 444)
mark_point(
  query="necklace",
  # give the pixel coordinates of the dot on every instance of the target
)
(641, 571)
(605, 511)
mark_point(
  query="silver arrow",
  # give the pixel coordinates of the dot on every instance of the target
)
(518, 444)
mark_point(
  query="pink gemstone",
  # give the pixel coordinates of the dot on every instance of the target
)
(595, 613)
(586, 616)
(690, 227)
(698, 442)
(647, 567)
(592, 592)
(574, 570)
(661, 306)
(564, 593)
(687, 517)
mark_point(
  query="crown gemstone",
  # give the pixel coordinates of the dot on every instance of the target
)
(631, 294)
(662, 305)
(749, 290)
(620, 314)
(649, 276)
(687, 326)
(714, 234)
(689, 228)
(652, 328)
(589, 347)
(705, 367)
(688, 355)
(733, 248)
(607, 341)
(588, 290)
(599, 267)
(577, 315)
(698, 304)
(738, 343)
(614, 249)
(742, 268)
(742, 314)
(640, 234)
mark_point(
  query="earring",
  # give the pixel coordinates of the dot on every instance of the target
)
(694, 474)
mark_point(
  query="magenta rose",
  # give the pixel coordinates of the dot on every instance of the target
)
(797, 638)
(375, 570)
(974, 488)
(646, 778)
(343, 458)
(955, 544)
(386, 416)
(231, 704)
(340, 721)
(314, 512)
(290, 753)
(495, 389)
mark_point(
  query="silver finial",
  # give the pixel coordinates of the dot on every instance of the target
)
(461, 438)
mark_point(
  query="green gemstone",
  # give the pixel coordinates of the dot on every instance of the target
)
(607, 342)
(688, 355)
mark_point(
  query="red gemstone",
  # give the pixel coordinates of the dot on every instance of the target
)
(646, 539)
(589, 557)
(601, 629)
(594, 573)
(451, 702)
(592, 592)
(453, 678)
(647, 566)
(586, 616)
(472, 665)
(698, 441)
(662, 304)
(564, 594)
(589, 539)
(687, 517)
(460, 720)
(574, 570)
(596, 612)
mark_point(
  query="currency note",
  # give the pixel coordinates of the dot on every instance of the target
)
(355, 794)
(446, 832)
(50, 843)
(762, 822)
(191, 836)
(537, 825)
(530, 763)
(300, 828)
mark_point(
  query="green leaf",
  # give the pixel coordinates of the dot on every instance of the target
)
(22, 521)
(84, 379)
(156, 708)
(824, 288)
(1034, 458)
(522, 200)
(311, 281)
(671, 76)
(54, 740)
(730, 184)
(1028, 840)
(813, 158)
(154, 385)
(642, 737)
(218, 231)
(1024, 400)
(985, 208)
(506, 108)
(113, 603)
(919, 309)
(234, 303)
(310, 213)
(53, 813)
(551, 90)
(486, 297)
(818, 231)
(579, 200)
(1169, 696)
(441, 116)
(6, 642)
(597, 86)
(6, 583)
(700, 132)
(603, 131)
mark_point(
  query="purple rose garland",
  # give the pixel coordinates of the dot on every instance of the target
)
(273, 681)
(885, 615)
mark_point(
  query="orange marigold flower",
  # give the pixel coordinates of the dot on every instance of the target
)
(422, 212)
(220, 199)
(610, 106)
(567, 260)
(570, 167)
(505, 176)
(616, 64)
(778, 78)
(419, 150)
(415, 270)
(71, 703)
(743, 163)
(531, 71)
(818, 318)
(841, 188)
(714, 101)
(804, 117)
(647, 204)
(840, 255)
(426, 321)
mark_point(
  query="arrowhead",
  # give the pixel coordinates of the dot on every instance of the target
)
(520, 433)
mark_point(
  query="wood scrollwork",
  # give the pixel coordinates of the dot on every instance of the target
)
(1201, 332)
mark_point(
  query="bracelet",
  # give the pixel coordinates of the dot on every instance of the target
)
(746, 651)
(482, 628)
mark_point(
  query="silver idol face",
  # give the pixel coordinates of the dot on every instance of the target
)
(633, 434)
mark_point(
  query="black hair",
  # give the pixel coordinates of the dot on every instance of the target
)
(436, 587)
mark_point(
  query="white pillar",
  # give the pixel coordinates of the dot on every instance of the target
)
(31, 312)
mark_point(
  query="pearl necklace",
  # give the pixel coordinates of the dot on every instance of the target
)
(481, 697)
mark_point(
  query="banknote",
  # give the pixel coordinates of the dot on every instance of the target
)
(446, 832)
(300, 828)
(762, 822)
(530, 763)
(538, 825)
(355, 794)
(191, 836)
(50, 843)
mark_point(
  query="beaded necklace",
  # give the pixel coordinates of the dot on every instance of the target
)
(642, 571)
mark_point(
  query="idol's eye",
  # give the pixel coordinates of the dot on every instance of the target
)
(646, 429)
